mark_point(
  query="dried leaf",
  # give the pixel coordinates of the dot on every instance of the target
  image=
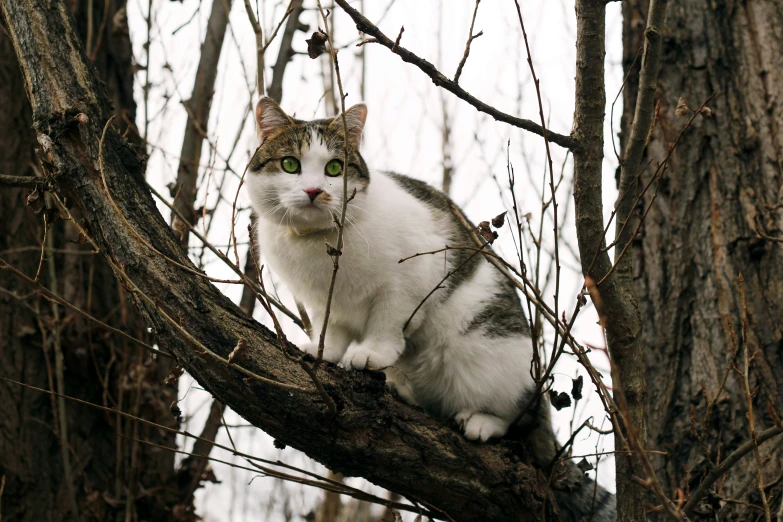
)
(209, 475)
(487, 233)
(576, 389)
(36, 201)
(179, 227)
(316, 44)
(559, 400)
(682, 108)
(584, 465)
(173, 377)
(706, 112)
(237, 351)
(498, 220)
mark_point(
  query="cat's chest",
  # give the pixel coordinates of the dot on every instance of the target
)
(305, 266)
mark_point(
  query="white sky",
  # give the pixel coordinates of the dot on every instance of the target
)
(403, 133)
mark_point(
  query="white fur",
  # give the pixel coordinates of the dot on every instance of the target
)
(477, 379)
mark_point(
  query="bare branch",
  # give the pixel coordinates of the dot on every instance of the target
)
(199, 106)
(20, 181)
(367, 27)
(471, 37)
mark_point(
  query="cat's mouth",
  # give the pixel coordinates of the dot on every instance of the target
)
(309, 206)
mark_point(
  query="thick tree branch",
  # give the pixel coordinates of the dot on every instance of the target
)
(372, 435)
(367, 27)
(642, 122)
(617, 306)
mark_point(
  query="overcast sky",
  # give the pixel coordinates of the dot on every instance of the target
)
(403, 133)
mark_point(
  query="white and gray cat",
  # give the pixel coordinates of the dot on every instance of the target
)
(472, 352)
(466, 352)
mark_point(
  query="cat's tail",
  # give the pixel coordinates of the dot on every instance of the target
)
(579, 498)
(589, 502)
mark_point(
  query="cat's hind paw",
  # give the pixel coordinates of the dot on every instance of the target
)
(481, 426)
(398, 384)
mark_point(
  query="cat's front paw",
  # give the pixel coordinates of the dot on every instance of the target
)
(481, 426)
(331, 353)
(364, 356)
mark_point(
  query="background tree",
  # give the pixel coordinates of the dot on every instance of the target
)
(103, 473)
(715, 214)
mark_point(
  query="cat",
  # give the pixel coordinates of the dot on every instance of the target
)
(463, 352)
(470, 350)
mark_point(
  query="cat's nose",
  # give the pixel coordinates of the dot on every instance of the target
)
(313, 193)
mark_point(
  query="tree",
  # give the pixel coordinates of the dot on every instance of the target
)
(94, 179)
(714, 217)
(59, 461)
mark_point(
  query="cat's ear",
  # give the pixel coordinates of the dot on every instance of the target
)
(354, 119)
(270, 117)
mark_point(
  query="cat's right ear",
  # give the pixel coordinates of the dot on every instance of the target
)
(270, 118)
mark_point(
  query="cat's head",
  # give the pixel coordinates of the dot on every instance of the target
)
(296, 176)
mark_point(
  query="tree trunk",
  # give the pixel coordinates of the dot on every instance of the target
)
(711, 209)
(104, 467)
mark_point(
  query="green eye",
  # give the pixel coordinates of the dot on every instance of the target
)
(334, 168)
(290, 164)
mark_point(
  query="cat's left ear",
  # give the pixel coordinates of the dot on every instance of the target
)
(270, 118)
(354, 119)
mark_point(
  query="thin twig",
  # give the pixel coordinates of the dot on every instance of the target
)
(187, 336)
(439, 287)
(259, 32)
(747, 357)
(471, 37)
(327, 483)
(549, 159)
(341, 224)
(53, 297)
(726, 465)
(656, 175)
(21, 181)
(246, 280)
(59, 371)
(133, 230)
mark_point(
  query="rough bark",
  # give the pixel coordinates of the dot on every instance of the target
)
(372, 435)
(98, 367)
(720, 194)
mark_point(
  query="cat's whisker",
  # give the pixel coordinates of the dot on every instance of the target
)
(359, 230)
(277, 243)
